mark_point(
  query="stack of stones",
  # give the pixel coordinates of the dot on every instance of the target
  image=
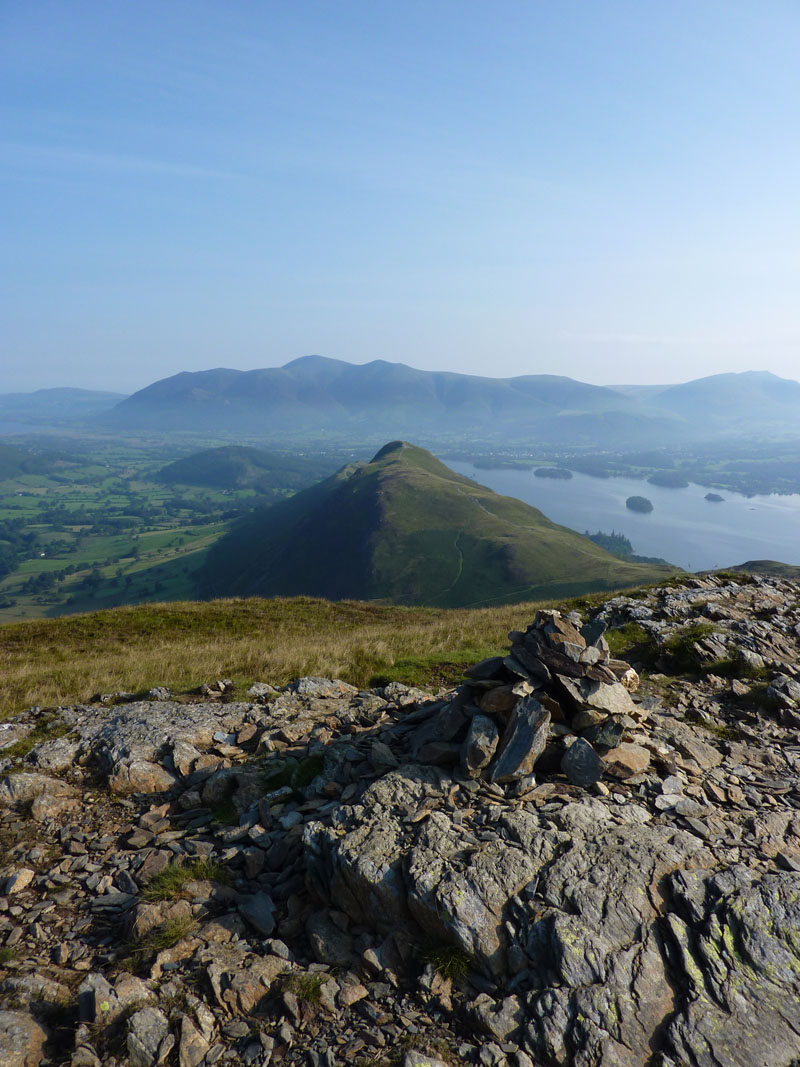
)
(558, 701)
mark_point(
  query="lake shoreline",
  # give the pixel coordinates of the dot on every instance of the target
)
(684, 527)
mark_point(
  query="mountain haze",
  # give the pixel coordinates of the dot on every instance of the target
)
(316, 397)
(407, 529)
(47, 408)
(315, 394)
(752, 396)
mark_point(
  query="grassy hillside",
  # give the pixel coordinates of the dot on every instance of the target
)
(239, 467)
(20, 461)
(406, 528)
(67, 660)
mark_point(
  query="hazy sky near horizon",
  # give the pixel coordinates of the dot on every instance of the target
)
(607, 190)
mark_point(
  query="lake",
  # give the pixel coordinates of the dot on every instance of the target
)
(682, 528)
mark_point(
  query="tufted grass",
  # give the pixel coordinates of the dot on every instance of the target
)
(168, 884)
(449, 961)
(181, 645)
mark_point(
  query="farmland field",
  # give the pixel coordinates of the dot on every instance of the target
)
(95, 527)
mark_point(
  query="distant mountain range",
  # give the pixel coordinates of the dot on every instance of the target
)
(58, 402)
(407, 529)
(316, 397)
(46, 410)
(316, 400)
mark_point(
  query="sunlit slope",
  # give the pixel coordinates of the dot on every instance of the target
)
(407, 529)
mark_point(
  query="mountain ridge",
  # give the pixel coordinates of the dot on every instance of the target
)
(319, 396)
(407, 529)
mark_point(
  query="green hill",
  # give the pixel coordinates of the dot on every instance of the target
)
(407, 529)
(238, 467)
(15, 462)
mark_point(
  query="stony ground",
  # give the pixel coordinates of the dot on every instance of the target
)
(300, 880)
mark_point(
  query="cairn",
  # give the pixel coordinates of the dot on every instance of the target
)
(557, 702)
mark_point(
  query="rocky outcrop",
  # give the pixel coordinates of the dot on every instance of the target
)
(549, 865)
(557, 687)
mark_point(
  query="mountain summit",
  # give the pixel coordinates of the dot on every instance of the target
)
(406, 528)
(316, 395)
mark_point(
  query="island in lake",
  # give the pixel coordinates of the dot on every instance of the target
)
(553, 472)
(715, 498)
(639, 503)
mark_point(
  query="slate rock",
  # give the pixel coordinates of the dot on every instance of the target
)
(486, 668)
(19, 881)
(500, 699)
(381, 757)
(581, 764)
(590, 655)
(22, 1040)
(705, 755)
(55, 756)
(606, 734)
(595, 949)
(612, 698)
(25, 788)
(439, 752)
(751, 660)
(415, 1058)
(527, 664)
(259, 910)
(739, 960)
(140, 776)
(119, 740)
(260, 690)
(463, 899)
(240, 980)
(322, 687)
(328, 942)
(626, 760)
(193, 1046)
(444, 726)
(360, 872)
(593, 631)
(149, 917)
(184, 757)
(784, 690)
(523, 741)
(480, 745)
(502, 1019)
(97, 999)
(149, 1039)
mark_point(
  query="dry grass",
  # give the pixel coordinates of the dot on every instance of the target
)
(182, 645)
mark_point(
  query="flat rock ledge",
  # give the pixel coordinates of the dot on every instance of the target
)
(552, 864)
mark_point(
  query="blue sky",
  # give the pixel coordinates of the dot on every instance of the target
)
(607, 190)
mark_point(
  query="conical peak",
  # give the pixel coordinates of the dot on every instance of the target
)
(387, 450)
